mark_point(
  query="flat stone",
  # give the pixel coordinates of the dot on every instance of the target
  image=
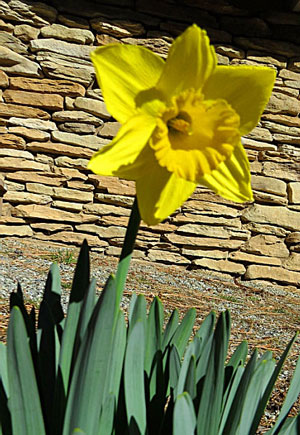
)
(73, 21)
(49, 178)
(292, 121)
(7, 110)
(4, 82)
(110, 129)
(72, 238)
(104, 39)
(72, 195)
(293, 262)
(285, 171)
(251, 26)
(268, 198)
(77, 127)
(89, 141)
(251, 258)
(123, 201)
(225, 266)
(55, 68)
(157, 45)
(95, 107)
(293, 238)
(12, 141)
(7, 152)
(281, 129)
(276, 215)
(265, 229)
(14, 63)
(261, 134)
(50, 228)
(294, 193)
(267, 245)
(39, 188)
(273, 273)
(10, 185)
(269, 185)
(67, 205)
(63, 33)
(46, 101)
(284, 138)
(8, 27)
(203, 242)
(41, 211)
(117, 28)
(268, 45)
(59, 149)
(68, 162)
(113, 185)
(14, 164)
(290, 75)
(257, 145)
(209, 220)
(33, 123)
(48, 86)
(103, 232)
(209, 253)
(75, 115)
(25, 32)
(230, 51)
(204, 230)
(157, 255)
(16, 230)
(61, 47)
(36, 13)
(295, 85)
(259, 57)
(69, 173)
(203, 207)
(26, 198)
(106, 209)
(9, 41)
(288, 90)
(74, 184)
(30, 134)
(283, 104)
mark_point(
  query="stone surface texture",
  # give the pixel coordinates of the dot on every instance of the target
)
(53, 117)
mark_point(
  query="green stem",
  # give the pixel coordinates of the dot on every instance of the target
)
(125, 257)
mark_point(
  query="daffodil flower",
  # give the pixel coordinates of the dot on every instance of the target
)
(182, 121)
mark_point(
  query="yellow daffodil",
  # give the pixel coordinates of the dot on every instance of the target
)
(182, 121)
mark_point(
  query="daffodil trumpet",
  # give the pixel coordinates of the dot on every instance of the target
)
(182, 121)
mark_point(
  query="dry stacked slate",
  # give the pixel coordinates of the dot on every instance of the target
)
(52, 119)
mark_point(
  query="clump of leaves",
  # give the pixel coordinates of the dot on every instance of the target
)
(92, 372)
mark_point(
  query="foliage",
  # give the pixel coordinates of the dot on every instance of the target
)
(91, 373)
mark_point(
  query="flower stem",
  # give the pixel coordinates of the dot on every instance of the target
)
(125, 257)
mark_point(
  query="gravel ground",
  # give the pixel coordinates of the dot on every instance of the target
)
(266, 315)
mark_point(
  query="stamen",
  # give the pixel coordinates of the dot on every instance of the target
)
(180, 125)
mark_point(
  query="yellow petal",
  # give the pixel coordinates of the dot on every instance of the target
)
(232, 178)
(127, 155)
(160, 193)
(122, 72)
(190, 62)
(246, 88)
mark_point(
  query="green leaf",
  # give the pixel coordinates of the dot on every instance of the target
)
(87, 388)
(209, 413)
(134, 377)
(107, 416)
(290, 399)
(52, 294)
(3, 368)
(183, 332)
(255, 391)
(26, 414)
(184, 418)
(170, 329)
(80, 285)
(139, 313)
(270, 386)
(187, 375)
(290, 427)
(174, 366)
(153, 333)
(230, 396)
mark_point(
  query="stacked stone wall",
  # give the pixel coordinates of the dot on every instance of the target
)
(53, 118)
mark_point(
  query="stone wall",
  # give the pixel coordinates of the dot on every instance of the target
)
(52, 119)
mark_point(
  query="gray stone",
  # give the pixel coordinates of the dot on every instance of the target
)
(16, 64)
(118, 28)
(281, 103)
(37, 124)
(288, 171)
(97, 108)
(203, 242)
(89, 141)
(158, 255)
(77, 127)
(36, 13)
(273, 273)
(16, 230)
(61, 87)
(209, 253)
(30, 134)
(268, 45)
(61, 47)
(281, 129)
(15, 164)
(25, 32)
(75, 116)
(294, 193)
(26, 198)
(73, 21)
(106, 209)
(67, 205)
(267, 245)
(68, 162)
(257, 145)
(225, 266)
(269, 185)
(275, 215)
(251, 258)
(293, 262)
(157, 45)
(268, 198)
(9, 41)
(58, 31)
(110, 129)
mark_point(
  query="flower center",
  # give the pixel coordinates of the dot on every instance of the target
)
(193, 135)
